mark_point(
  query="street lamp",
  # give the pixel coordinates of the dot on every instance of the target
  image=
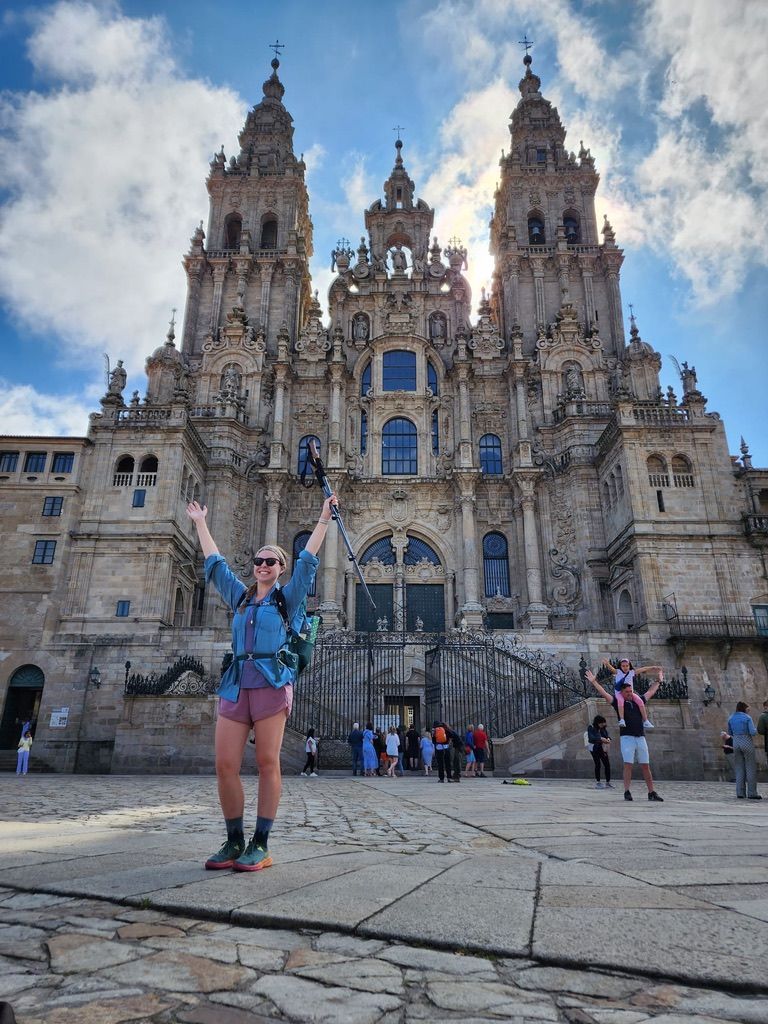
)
(94, 678)
(709, 695)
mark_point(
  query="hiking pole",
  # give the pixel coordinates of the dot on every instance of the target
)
(313, 455)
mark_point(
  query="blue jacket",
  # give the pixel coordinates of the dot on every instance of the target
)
(270, 633)
(740, 724)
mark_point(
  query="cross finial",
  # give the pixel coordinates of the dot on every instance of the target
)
(277, 46)
(398, 129)
(631, 311)
(526, 43)
(173, 317)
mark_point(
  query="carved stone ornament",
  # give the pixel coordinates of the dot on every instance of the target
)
(398, 511)
(313, 343)
(311, 412)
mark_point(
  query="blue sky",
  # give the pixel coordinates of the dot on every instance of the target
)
(110, 113)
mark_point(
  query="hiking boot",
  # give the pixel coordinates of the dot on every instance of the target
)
(653, 795)
(226, 856)
(255, 858)
(648, 725)
(627, 795)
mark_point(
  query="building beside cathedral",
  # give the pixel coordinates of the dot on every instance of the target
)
(518, 470)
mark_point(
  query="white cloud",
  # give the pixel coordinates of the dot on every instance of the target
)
(106, 173)
(23, 410)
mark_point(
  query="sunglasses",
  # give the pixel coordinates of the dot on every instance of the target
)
(266, 561)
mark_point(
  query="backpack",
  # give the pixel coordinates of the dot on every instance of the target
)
(587, 744)
(440, 736)
(301, 644)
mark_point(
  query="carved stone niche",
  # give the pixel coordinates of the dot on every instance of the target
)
(361, 329)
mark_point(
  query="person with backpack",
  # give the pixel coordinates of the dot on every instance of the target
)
(598, 741)
(442, 748)
(256, 690)
(310, 749)
(469, 750)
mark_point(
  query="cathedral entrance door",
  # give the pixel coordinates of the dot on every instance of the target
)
(22, 704)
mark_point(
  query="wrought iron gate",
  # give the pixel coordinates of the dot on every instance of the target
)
(469, 677)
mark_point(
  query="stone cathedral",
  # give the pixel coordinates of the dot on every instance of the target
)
(507, 465)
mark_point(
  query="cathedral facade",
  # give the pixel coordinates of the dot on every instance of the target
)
(516, 472)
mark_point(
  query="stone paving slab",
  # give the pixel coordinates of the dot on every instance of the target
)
(377, 889)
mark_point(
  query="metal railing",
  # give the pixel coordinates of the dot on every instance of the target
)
(713, 627)
(756, 524)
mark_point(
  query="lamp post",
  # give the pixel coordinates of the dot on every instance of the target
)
(708, 695)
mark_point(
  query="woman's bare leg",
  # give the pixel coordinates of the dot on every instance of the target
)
(268, 734)
(231, 738)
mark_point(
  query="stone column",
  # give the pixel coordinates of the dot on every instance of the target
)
(587, 264)
(465, 428)
(536, 614)
(537, 264)
(334, 429)
(276, 448)
(272, 517)
(512, 292)
(330, 608)
(267, 270)
(351, 597)
(471, 609)
(219, 273)
(290, 302)
(614, 302)
(195, 272)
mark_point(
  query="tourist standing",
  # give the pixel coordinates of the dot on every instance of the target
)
(257, 688)
(741, 729)
(481, 745)
(22, 757)
(762, 726)
(412, 748)
(393, 750)
(355, 741)
(370, 757)
(597, 735)
(310, 748)
(440, 740)
(457, 749)
(634, 746)
(427, 751)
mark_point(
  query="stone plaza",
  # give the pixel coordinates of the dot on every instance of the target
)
(389, 901)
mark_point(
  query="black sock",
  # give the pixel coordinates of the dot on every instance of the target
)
(235, 832)
(261, 835)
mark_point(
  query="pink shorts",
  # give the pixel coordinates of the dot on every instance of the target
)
(253, 705)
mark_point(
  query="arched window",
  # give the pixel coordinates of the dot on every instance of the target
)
(123, 475)
(299, 543)
(363, 432)
(682, 471)
(233, 229)
(435, 433)
(178, 609)
(303, 462)
(418, 550)
(431, 378)
(365, 380)
(399, 369)
(490, 455)
(268, 233)
(657, 471)
(572, 228)
(381, 549)
(626, 614)
(536, 234)
(495, 565)
(399, 444)
(147, 476)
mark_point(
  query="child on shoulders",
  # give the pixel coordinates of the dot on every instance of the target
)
(625, 675)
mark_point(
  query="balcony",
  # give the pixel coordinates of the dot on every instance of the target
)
(756, 528)
(580, 407)
(657, 415)
(721, 630)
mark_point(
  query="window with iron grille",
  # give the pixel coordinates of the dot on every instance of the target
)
(381, 549)
(399, 448)
(44, 552)
(417, 550)
(52, 506)
(495, 565)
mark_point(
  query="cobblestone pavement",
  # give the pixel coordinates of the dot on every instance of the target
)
(390, 901)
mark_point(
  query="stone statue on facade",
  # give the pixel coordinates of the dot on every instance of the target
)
(118, 378)
(360, 327)
(399, 261)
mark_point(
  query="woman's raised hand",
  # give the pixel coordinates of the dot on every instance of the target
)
(196, 512)
(328, 505)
